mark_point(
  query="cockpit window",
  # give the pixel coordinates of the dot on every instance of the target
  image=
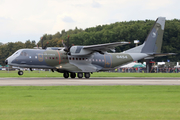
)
(17, 52)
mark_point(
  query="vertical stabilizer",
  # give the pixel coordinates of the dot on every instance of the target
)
(153, 42)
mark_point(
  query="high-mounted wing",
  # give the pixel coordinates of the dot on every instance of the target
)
(105, 47)
(101, 48)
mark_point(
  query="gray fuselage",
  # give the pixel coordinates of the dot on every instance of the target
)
(60, 61)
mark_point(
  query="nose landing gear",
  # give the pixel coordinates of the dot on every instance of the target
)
(20, 72)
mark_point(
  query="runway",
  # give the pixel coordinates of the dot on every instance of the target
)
(88, 82)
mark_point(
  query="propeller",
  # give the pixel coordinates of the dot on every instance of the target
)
(42, 42)
(67, 47)
(43, 47)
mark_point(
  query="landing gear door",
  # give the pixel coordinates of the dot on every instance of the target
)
(108, 61)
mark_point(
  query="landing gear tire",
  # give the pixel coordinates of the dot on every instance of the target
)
(66, 75)
(73, 75)
(87, 75)
(20, 72)
(80, 75)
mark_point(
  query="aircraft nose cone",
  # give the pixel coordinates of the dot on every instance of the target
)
(6, 61)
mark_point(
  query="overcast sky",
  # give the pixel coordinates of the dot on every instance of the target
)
(22, 20)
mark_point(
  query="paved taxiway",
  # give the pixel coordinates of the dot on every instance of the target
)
(91, 81)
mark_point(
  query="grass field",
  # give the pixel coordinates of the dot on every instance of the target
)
(99, 74)
(90, 103)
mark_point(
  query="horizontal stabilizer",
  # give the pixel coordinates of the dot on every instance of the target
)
(163, 54)
(151, 56)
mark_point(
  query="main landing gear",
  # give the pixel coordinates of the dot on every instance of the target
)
(79, 75)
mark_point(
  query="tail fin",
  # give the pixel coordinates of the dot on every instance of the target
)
(153, 41)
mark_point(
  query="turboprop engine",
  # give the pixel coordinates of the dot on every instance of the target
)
(78, 50)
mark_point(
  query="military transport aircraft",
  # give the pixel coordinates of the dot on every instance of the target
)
(83, 60)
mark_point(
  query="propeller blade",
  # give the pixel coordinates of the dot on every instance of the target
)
(68, 42)
(67, 47)
(45, 45)
(63, 44)
(42, 42)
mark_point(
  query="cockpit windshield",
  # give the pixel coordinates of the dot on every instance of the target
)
(16, 53)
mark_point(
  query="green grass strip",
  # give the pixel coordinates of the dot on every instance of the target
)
(90, 103)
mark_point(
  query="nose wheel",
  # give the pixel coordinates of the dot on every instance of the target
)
(20, 72)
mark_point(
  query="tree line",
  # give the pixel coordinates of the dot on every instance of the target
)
(115, 32)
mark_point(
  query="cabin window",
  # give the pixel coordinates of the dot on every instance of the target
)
(49, 57)
(70, 58)
(79, 58)
(76, 58)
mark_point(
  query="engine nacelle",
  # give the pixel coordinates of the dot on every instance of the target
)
(78, 50)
